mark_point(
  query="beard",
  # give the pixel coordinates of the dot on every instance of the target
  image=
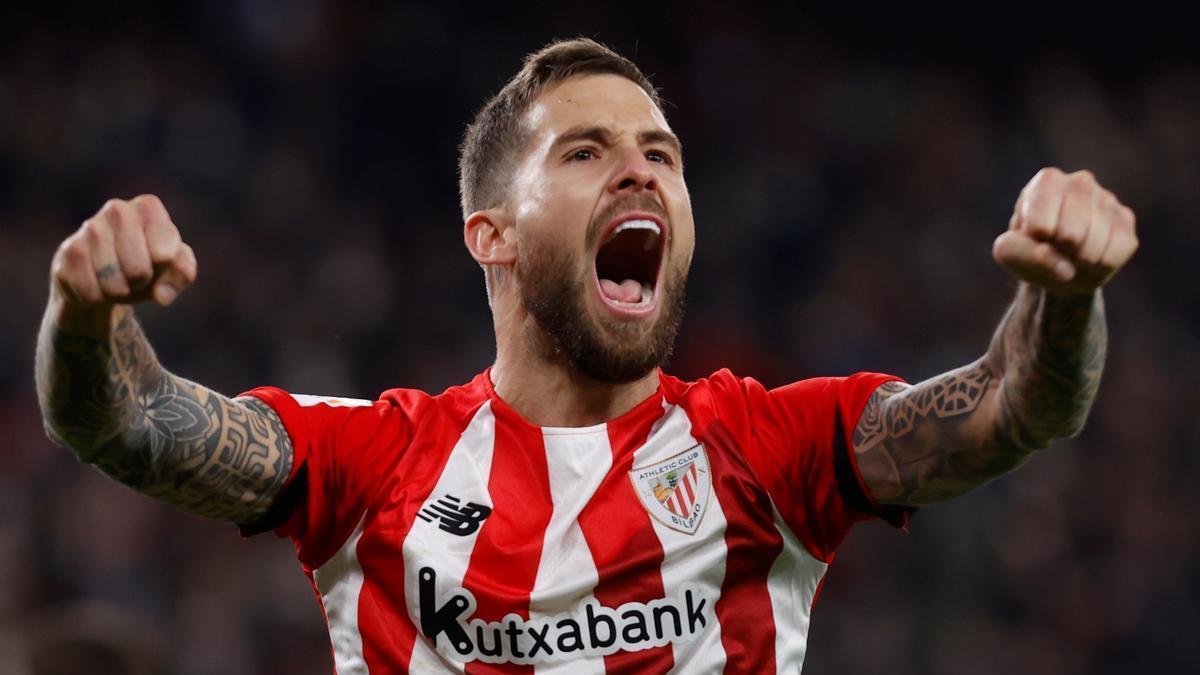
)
(609, 349)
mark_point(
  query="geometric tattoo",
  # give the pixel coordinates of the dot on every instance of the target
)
(920, 444)
(111, 402)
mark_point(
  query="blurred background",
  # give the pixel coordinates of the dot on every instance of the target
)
(849, 170)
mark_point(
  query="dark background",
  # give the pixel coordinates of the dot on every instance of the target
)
(849, 169)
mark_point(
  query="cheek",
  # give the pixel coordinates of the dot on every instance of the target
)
(684, 234)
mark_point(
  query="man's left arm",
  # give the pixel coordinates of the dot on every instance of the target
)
(920, 444)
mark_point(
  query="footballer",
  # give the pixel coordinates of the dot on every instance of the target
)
(573, 507)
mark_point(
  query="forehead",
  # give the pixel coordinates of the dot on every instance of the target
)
(603, 100)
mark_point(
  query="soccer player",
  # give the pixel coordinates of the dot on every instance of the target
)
(573, 508)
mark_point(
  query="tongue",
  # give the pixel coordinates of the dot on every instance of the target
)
(629, 290)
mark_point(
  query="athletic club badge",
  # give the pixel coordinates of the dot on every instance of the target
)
(675, 491)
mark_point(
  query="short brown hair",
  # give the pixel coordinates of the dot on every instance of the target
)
(493, 140)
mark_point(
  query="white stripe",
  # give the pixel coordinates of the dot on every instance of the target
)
(792, 585)
(339, 581)
(577, 463)
(697, 558)
(308, 400)
(465, 476)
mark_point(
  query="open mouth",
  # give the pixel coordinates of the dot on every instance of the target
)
(628, 262)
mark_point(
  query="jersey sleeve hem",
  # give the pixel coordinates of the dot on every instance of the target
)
(851, 485)
(286, 502)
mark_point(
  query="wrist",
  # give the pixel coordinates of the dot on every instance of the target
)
(87, 320)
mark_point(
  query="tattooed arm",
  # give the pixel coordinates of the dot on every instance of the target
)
(104, 395)
(947, 435)
(921, 444)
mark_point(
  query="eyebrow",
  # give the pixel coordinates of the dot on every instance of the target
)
(605, 136)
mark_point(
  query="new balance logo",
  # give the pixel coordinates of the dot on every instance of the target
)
(589, 629)
(455, 517)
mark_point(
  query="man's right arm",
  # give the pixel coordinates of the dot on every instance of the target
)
(104, 395)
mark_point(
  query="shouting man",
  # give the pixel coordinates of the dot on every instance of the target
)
(573, 507)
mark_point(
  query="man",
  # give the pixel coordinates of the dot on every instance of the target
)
(572, 506)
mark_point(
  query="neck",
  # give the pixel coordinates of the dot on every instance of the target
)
(552, 393)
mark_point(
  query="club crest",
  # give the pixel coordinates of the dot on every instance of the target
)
(675, 491)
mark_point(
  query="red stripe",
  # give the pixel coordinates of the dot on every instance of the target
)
(387, 628)
(688, 479)
(744, 608)
(505, 559)
(617, 527)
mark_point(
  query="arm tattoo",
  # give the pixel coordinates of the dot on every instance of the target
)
(111, 402)
(921, 444)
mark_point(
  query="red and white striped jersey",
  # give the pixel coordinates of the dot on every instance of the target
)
(447, 534)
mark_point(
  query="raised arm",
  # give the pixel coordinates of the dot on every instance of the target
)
(920, 444)
(104, 395)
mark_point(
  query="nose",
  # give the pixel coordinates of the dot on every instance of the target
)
(634, 173)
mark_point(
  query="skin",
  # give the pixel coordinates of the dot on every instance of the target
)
(921, 444)
(104, 395)
(561, 183)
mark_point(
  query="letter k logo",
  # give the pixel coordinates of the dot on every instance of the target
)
(437, 620)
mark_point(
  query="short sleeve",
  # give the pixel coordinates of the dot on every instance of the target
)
(344, 450)
(805, 433)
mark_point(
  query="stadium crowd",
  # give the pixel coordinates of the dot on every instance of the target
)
(845, 202)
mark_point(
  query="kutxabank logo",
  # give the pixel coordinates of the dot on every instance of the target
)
(589, 629)
(676, 490)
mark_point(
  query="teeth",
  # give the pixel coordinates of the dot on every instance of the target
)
(637, 225)
(646, 293)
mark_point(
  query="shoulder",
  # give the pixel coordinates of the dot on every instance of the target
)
(394, 404)
(722, 386)
(730, 395)
(721, 395)
(458, 402)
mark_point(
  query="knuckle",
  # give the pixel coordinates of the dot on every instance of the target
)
(1090, 255)
(1073, 233)
(187, 263)
(138, 274)
(115, 287)
(73, 249)
(1048, 172)
(1040, 226)
(1073, 224)
(111, 210)
(93, 232)
(149, 207)
(148, 200)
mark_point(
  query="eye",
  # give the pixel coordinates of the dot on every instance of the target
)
(582, 155)
(658, 156)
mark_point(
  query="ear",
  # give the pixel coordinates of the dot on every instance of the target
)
(490, 238)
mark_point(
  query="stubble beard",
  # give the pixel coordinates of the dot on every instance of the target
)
(609, 349)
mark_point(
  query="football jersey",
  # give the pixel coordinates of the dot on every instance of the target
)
(445, 533)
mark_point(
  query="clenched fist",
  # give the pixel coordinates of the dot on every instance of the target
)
(128, 252)
(1067, 233)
